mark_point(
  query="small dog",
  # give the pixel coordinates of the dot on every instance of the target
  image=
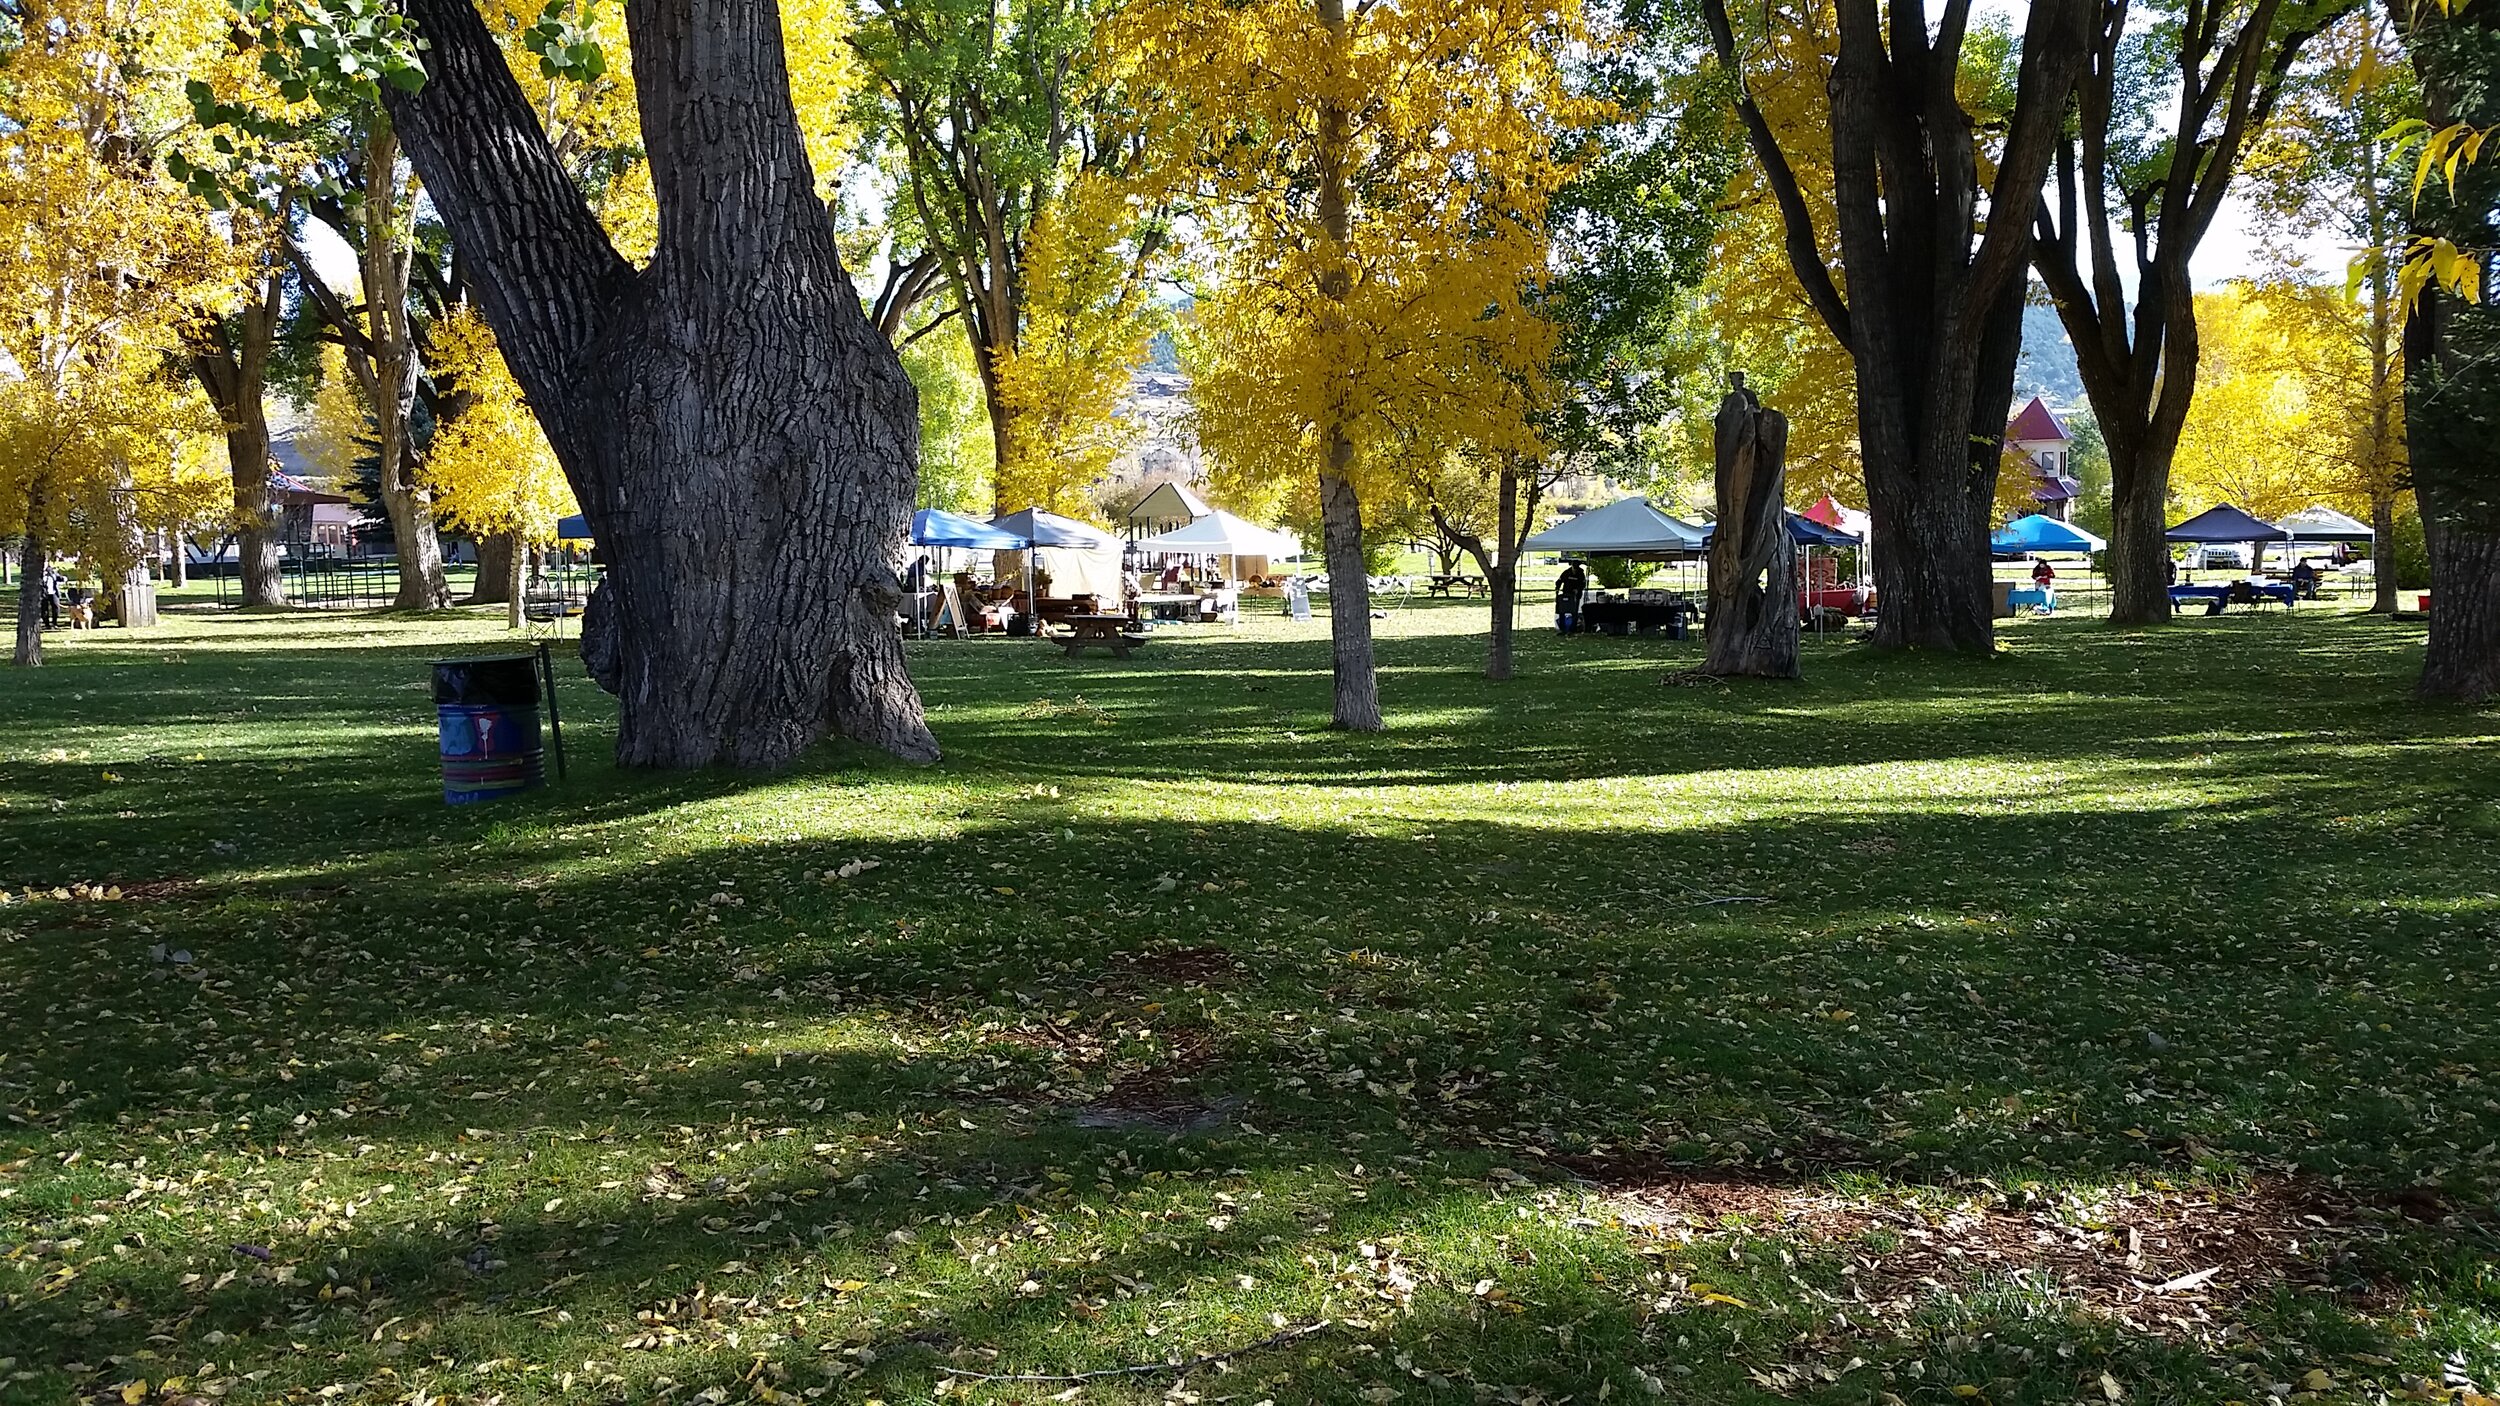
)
(81, 616)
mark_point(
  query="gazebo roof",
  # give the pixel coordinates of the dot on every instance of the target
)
(1170, 501)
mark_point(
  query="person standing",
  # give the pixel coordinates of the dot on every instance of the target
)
(2044, 576)
(1568, 593)
(50, 593)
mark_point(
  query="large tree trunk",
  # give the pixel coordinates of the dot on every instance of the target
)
(30, 562)
(740, 437)
(1753, 560)
(2452, 365)
(2139, 581)
(2463, 661)
(497, 552)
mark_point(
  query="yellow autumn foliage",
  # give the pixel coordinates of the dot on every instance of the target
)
(1440, 119)
(2255, 435)
(1088, 321)
(103, 258)
(490, 466)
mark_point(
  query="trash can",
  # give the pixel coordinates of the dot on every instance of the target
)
(488, 710)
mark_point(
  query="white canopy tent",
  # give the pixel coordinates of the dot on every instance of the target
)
(1630, 527)
(1221, 534)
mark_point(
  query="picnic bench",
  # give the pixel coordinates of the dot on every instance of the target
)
(1456, 584)
(1109, 631)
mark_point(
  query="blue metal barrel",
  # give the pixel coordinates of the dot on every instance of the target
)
(488, 710)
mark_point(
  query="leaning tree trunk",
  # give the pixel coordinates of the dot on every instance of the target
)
(739, 435)
(31, 562)
(1753, 561)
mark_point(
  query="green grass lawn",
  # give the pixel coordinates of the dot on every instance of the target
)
(2116, 1021)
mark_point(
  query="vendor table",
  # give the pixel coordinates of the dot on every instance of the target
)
(2218, 597)
(1617, 617)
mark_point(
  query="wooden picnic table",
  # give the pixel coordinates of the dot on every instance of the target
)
(1109, 631)
(1460, 581)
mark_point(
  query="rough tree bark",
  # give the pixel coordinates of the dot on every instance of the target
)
(739, 435)
(1753, 625)
(31, 561)
(230, 359)
(2136, 347)
(2452, 366)
(496, 554)
(1933, 316)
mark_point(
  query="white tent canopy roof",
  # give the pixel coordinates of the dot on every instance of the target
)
(2320, 523)
(1220, 533)
(1630, 526)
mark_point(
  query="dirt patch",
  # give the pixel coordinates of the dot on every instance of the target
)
(1180, 966)
(1165, 1110)
(2175, 1262)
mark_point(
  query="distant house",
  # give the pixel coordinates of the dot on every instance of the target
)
(2038, 441)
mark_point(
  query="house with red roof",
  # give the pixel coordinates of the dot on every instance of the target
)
(2038, 441)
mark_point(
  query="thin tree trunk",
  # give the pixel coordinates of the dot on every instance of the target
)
(1357, 687)
(2385, 590)
(739, 435)
(515, 582)
(30, 570)
(1502, 573)
(233, 369)
(177, 560)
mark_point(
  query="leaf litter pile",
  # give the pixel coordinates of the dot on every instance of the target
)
(2115, 1023)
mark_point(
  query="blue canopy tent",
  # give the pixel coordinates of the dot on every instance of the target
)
(2227, 526)
(573, 529)
(936, 527)
(2040, 535)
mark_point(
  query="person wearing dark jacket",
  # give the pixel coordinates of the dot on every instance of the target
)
(1567, 596)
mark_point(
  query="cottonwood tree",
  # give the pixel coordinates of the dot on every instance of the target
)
(1006, 119)
(2452, 355)
(1374, 183)
(229, 351)
(1934, 262)
(739, 435)
(2218, 67)
(2326, 167)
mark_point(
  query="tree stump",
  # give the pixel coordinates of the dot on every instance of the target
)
(1753, 564)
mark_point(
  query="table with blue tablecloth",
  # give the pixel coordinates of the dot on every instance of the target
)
(2216, 598)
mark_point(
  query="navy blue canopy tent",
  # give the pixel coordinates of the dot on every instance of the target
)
(2227, 525)
(936, 527)
(573, 529)
(1806, 532)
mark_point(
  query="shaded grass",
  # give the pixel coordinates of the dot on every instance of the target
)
(1167, 1018)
